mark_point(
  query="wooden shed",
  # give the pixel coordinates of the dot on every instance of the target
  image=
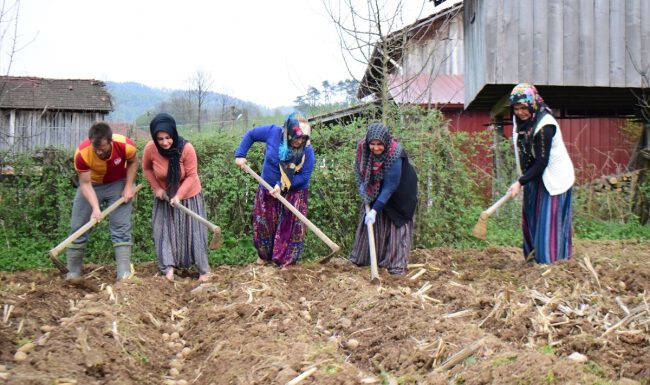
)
(38, 112)
(585, 56)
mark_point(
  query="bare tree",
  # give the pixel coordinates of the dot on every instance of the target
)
(377, 34)
(178, 105)
(9, 47)
(9, 15)
(199, 88)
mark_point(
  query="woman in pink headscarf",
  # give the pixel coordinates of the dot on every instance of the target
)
(546, 175)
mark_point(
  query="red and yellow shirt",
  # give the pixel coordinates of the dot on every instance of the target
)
(105, 171)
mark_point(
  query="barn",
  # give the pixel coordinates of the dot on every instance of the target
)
(587, 59)
(37, 112)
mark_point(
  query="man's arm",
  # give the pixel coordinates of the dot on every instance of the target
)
(131, 172)
(88, 192)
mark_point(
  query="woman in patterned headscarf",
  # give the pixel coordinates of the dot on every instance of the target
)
(386, 182)
(278, 235)
(170, 165)
(546, 174)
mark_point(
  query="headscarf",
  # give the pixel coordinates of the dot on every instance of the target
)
(166, 123)
(370, 168)
(526, 94)
(292, 159)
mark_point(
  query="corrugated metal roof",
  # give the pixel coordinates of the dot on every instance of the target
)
(345, 115)
(54, 94)
(439, 91)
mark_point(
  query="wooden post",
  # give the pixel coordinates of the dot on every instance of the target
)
(641, 160)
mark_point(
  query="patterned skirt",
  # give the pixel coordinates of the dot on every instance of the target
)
(393, 244)
(546, 223)
(278, 235)
(179, 239)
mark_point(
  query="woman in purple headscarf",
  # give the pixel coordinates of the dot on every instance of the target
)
(170, 165)
(278, 235)
(388, 184)
(546, 174)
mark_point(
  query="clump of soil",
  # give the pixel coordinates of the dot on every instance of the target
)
(457, 317)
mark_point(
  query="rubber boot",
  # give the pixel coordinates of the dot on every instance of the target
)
(123, 262)
(74, 256)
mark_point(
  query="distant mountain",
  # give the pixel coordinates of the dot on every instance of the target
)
(132, 100)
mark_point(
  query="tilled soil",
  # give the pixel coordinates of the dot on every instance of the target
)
(457, 317)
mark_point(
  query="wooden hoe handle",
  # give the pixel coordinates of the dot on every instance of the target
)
(333, 246)
(490, 210)
(90, 224)
(194, 215)
(374, 270)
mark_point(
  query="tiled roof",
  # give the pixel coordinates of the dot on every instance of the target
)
(442, 90)
(54, 94)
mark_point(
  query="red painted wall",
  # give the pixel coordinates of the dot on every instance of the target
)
(596, 145)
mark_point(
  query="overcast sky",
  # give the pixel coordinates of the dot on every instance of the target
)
(267, 52)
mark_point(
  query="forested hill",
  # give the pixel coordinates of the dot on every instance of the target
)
(131, 100)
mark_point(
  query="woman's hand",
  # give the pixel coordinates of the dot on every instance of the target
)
(514, 189)
(174, 201)
(370, 217)
(275, 191)
(240, 162)
(160, 194)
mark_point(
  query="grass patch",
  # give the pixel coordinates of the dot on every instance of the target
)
(595, 369)
(502, 360)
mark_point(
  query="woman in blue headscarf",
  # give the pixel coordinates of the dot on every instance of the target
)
(546, 174)
(278, 235)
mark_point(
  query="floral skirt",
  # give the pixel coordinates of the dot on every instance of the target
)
(278, 235)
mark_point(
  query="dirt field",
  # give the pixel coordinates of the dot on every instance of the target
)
(467, 317)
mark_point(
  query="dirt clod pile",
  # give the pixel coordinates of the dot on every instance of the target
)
(457, 317)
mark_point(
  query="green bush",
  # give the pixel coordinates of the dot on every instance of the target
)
(36, 193)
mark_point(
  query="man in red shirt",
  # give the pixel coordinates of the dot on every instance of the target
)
(107, 165)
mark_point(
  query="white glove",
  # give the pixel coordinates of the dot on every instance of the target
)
(370, 217)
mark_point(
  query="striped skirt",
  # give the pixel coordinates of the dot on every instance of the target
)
(393, 244)
(279, 235)
(546, 223)
(179, 239)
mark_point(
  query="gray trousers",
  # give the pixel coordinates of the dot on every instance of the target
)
(119, 220)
